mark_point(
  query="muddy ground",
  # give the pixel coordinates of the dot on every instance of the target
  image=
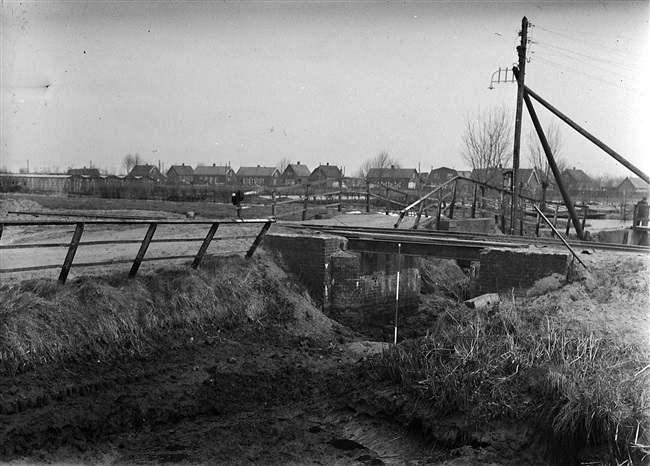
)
(299, 392)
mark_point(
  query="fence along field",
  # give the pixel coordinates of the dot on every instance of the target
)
(109, 241)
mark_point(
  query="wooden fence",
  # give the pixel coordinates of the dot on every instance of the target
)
(79, 227)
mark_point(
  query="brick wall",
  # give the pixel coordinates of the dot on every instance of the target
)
(502, 270)
(308, 257)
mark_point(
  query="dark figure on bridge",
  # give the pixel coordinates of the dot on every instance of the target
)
(642, 212)
(237, 198)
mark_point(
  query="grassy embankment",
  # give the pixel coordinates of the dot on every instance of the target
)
(583, 394)
(42, 322)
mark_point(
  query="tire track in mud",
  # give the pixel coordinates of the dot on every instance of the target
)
(250, 390)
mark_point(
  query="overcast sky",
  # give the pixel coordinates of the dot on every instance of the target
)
(251, 83)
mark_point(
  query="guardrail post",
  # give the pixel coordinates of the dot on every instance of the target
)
(453, 200)
(340, 193)
(72, 250)
(474, 201)
(204, 246)
(387, 200)
(258, 240)
(367, 197)
(439, 210)
(306, 204)
(273, 200)
(143, 249)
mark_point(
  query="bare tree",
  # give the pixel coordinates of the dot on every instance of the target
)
(283, 164)
(488, 142)
(131, 160)
(537, 156)
(381, 160)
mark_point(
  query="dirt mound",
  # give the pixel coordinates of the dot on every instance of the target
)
(18, 205)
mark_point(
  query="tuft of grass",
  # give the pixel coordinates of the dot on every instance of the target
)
(103, 318)
(586, 395)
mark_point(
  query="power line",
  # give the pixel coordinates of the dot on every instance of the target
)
(604, 70)
(573, 70)
(599, 46)
(591, 57)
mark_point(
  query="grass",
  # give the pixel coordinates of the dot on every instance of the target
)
(582, 393)
(103, 318)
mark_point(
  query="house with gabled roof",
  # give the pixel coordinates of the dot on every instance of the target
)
(492, 176)
(214, 175)
(328, 172)
(577, 181)
(295, 174)
(441, 175)
(530, 183)
(258, 176)
(147, 171)
(633, 186)
(180, 174)
(392, 177)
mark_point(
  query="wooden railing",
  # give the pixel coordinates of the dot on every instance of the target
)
(152, 225)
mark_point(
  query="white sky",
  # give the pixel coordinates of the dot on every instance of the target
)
(251, 83)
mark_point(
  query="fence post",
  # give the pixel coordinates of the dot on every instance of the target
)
(419, 216)
(521, 218)
(453, 200)
(439, 209)
(204, 246)
(143, 249)
(568, 226)
(72, 250)
(367, 197)
(340, 192)
(273, 200)
(258, 240)
(387, 200)
(304, 212)
(474, 201)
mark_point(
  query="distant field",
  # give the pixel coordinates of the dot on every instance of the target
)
(201, 209)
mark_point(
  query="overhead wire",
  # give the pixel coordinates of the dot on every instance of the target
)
(547, 52)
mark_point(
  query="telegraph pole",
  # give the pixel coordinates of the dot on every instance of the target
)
(521, 50)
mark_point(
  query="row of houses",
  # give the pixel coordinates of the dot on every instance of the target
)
(86, 180)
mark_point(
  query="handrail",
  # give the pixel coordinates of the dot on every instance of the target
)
(559, 235)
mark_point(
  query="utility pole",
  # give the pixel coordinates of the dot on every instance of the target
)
(521, 50)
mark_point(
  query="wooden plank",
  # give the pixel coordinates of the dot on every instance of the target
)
(143, 249)
(72, 250)
(258, 240)
(204, 246)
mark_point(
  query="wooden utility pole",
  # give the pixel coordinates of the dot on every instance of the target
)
(521, 50)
